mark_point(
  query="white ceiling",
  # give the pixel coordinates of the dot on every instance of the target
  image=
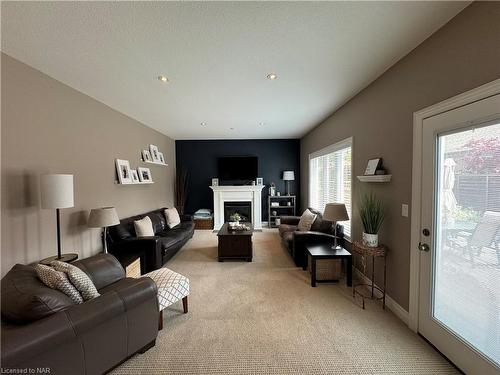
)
(217, 55)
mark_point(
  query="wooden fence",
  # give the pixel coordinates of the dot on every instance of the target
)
(478, 192)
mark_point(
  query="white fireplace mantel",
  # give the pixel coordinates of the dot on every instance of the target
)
(245, 193)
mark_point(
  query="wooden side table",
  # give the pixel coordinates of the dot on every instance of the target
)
(134, 268)
(133, 264)
(374, 252)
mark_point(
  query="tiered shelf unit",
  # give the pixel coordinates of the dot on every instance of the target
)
(283, 209)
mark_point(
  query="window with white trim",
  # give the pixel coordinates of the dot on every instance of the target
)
(330, 178)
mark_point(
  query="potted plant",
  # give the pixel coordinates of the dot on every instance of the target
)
(372, 216)
(235, 217)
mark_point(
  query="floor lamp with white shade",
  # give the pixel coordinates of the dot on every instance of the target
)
(57, 192)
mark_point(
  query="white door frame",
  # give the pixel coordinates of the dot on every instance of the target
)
(479, 93)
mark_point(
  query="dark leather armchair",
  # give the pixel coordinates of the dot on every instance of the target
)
(154, 251)
(295, 240)
(89, 338)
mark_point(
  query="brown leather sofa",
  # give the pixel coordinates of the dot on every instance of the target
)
(154, 251)
(43, 329)
(295, 240)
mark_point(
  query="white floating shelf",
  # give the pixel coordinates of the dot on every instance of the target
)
(155, 162)
(376, 178)
(136, 183)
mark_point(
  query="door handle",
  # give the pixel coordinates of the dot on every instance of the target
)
(423, 247)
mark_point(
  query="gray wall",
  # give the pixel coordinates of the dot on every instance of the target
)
(48, 127)
(462, 55)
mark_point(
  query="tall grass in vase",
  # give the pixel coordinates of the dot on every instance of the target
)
(181, 189)
(372, 215)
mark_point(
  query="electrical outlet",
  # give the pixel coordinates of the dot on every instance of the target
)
(404, 210)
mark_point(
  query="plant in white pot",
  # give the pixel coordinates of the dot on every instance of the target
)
(372, 216)
(235, 217)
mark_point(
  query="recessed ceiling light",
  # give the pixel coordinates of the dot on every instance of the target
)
(272, 76)
(261, 123)
(203, 123)
(163, 78)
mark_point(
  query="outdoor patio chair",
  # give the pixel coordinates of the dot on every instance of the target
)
(484, 235)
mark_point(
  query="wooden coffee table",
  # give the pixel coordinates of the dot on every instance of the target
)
(235, 244)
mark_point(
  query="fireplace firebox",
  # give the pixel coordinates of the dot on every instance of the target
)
(244, 209)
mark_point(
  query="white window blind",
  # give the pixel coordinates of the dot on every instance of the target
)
(330, 178)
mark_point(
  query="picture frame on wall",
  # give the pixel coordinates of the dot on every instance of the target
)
(135, 176)
(215, 182)
(123, 171)
(154, 153)
(372, 166)
(161, 157)
(146, 155)
(260, 181)
(144, 175)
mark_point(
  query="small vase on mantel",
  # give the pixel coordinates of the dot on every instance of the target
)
(370, 240)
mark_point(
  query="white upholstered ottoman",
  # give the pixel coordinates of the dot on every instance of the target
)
(172, 287)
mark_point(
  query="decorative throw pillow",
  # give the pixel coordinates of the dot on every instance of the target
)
(144, 227)
(306, 221)
(172, 217)
(78, 278)
(58, 280)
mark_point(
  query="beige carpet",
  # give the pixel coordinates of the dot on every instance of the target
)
(264, 318)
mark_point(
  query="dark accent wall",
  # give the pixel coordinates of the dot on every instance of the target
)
(199, 158)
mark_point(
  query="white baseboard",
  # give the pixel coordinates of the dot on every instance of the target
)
(389, 302)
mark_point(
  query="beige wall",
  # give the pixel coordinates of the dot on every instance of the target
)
(48, 127)
(462, 55)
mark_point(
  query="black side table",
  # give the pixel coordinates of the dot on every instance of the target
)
(68, 258)
(325, 251)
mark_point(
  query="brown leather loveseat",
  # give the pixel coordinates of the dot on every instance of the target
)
(43, 329)
(295, 240)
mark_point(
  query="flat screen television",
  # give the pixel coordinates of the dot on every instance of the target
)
(238, 168)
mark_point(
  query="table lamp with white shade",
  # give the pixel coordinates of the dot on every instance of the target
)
(288, 176)
(102, 218)
(57, 192)
(335, 212)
